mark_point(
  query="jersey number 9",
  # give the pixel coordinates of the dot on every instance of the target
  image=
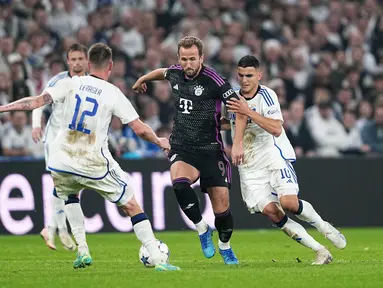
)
(80, 124)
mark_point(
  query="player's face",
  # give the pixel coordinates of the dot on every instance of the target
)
(77, 62)
(190, 61)
(248, 78)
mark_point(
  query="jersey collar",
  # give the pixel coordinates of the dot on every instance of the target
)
(95, 76)
(255, 94)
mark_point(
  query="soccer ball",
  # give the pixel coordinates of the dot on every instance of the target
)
(145, 256)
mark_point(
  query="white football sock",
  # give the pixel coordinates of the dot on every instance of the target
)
(144, 233)
(223, 245)
(58, 214)
(201, 227)
(310, 216)
(299, 234)
(57, 205)
(75, 217)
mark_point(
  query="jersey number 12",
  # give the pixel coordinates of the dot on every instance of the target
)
(80, 124)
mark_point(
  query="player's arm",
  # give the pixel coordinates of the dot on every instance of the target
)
(52, 94)
(28, 103)
(144, 131)
(227, 93)
(155, 75)
(272, 123)
(36, 123)
(124, 110)
(225, 124)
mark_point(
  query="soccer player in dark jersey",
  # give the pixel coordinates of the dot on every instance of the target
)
(196, 144)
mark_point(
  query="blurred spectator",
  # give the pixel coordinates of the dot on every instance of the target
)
(328, 133)
(298, 131)
(17, 140)
(118, 143)
(353, 144)
(364, 113)
(372, 132)
(162, 93)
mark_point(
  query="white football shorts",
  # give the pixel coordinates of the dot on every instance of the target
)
(114, 187)
(263, 186)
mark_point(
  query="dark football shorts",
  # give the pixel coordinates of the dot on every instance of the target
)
(214, 167)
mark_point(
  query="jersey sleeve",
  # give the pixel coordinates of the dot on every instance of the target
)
(270, 104)
(226, 92)
(60, 90)
(171, 71)
(123, 109)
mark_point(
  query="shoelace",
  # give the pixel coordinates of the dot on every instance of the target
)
(205, 237)
(229, 255)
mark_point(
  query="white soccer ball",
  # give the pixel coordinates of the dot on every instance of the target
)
(145, 256)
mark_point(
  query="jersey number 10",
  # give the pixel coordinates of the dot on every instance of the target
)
(80, 124)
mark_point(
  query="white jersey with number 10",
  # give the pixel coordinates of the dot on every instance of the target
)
(263, 150)
(81, 145)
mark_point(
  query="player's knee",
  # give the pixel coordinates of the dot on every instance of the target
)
(290, 203)
(274, 213)
(180, 185)
(73, 198)
(131, 208)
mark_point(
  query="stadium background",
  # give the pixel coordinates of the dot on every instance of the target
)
(323, 58)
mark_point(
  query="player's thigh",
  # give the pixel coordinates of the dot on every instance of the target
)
(215, 172)
(66, 184)
(256, 189)
(114, 187)
(183, 166)
(285, 181)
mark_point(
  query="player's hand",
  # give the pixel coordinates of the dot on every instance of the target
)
(237, 154)
(238, 106)
(139, 86)
(164, 144)
(37, 133)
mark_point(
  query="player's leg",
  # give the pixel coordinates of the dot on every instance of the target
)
(57, 221)
(305, 211)
(48, 234)
(258, 197)
(215, 179)
(58, 207)
(143, 230)
(294, 230)
(76, 220)
(115, 188)
(219, 197)
(65, 185)
(183, 174)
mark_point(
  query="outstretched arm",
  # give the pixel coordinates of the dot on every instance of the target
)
(158, 74)
(28, 103)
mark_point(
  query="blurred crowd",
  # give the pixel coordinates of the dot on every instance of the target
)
(324, 59)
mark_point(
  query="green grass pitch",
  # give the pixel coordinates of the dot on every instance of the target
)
(267, 259)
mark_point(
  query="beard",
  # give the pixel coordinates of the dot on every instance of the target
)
(190, 73)
(77, 69)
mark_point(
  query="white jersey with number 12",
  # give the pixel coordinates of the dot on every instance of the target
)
(81, 145)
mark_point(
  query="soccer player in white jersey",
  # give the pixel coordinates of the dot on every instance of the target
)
(82, 158)
(78, 64)
(268, 180)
